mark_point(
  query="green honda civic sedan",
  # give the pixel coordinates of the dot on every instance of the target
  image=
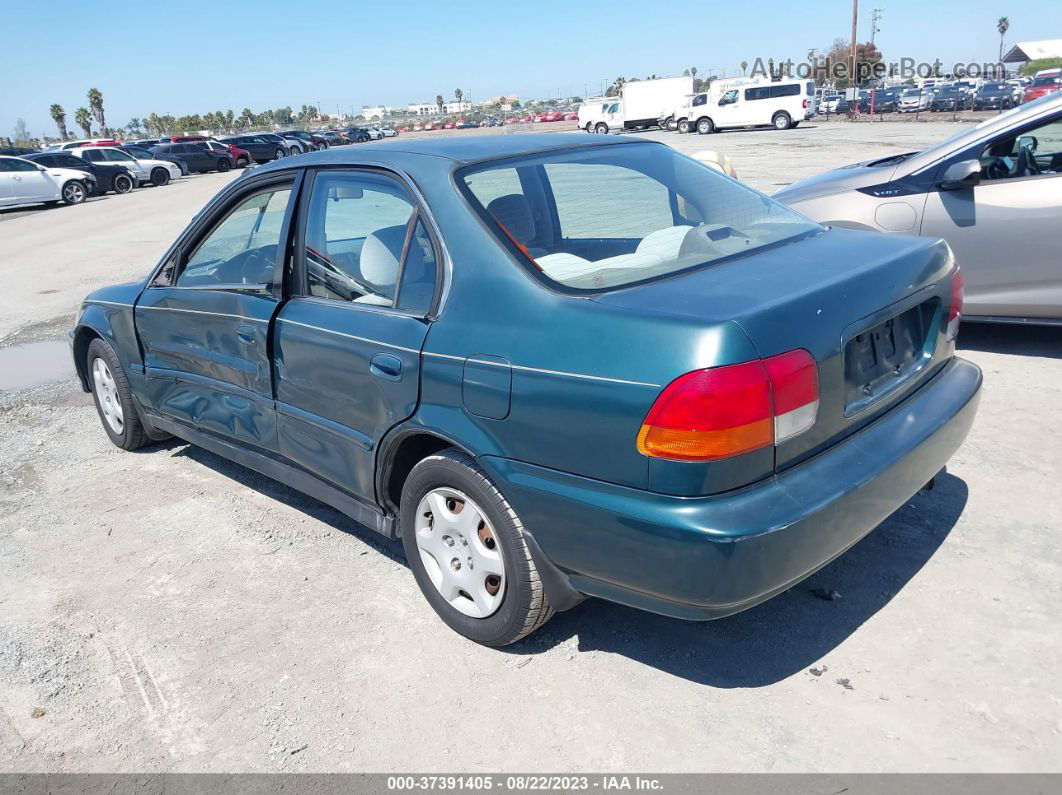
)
(554, 366)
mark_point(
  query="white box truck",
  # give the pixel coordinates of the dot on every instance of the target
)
(641, 104)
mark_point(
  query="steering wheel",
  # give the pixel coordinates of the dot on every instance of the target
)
(995, 168)
(255, 262)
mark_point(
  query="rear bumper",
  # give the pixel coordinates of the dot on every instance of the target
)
(708, 557)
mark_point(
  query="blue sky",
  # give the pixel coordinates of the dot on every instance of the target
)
(194, 57)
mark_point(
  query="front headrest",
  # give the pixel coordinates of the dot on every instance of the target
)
(514, 213)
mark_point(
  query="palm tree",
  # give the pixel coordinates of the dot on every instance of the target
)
(59, 117)
(439, 102)
(95, 99)
(458, 93)
(1002, 26)
(693, 71)
(84, 121)
(133, 126)
(152, 123)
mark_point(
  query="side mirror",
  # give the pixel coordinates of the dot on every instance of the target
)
(1028, 142)
(964, 174)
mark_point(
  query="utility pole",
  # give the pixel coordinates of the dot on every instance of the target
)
(855, 26)
(875, 17)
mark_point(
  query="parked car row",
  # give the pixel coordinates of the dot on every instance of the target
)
(945, 95)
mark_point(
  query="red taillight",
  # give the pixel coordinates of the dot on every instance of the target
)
(708, 415)
(955, 308)
(805, 104)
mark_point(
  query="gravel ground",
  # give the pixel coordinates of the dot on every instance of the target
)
(170, 611)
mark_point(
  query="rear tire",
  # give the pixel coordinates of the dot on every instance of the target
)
(438, 490)
(113, 397)
(123, 183)
(160, 177)
(782, 121)
(74, 192)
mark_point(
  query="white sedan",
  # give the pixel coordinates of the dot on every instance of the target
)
(26, 182)
(153, 172)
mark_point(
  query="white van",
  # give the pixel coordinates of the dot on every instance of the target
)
(781, 105)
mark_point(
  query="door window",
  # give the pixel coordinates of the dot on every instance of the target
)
(20, 165)
(242, 249)
(729, 98)
(117, 156)
(93, 155)
(356, 233)
(1032, 153)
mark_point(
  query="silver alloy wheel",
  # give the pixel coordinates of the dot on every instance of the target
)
(107, 395)
(460, 552)
(73, 193)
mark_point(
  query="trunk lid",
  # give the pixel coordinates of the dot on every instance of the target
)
(871, 309)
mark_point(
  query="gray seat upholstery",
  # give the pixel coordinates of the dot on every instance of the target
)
(380, 258)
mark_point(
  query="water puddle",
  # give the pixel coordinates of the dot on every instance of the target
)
(33, 364)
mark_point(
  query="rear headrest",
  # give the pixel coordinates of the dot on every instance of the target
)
(514, 213)
(380, 256)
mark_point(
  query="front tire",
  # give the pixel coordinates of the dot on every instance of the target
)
(705, 126)
(113, 397)
(684, 126)
(74, 192)
(467, 550)
(278, 153)
(224, 165)
(601, 128)
(243, 162)
(160, 177)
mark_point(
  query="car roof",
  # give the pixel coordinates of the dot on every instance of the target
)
(459, 149)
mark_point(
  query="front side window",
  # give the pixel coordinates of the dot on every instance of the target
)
(729, 98)
(602, 217)
(1032, 153)
(242, 249)
(116, 156)
(357, 229)
(21, 165)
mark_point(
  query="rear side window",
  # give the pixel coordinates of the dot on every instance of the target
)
(757, 93)
(789, 90)
(362, 245)
(93, 155)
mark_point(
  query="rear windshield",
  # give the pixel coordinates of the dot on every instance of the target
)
(601, 217)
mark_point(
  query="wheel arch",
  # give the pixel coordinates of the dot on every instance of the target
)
(404, 448)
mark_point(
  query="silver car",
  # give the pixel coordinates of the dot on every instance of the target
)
(993, 192)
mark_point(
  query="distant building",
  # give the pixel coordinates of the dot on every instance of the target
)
(431, 109)
(370, 112)
(1025, 51)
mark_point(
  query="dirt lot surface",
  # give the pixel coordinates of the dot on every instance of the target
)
(169, 611)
